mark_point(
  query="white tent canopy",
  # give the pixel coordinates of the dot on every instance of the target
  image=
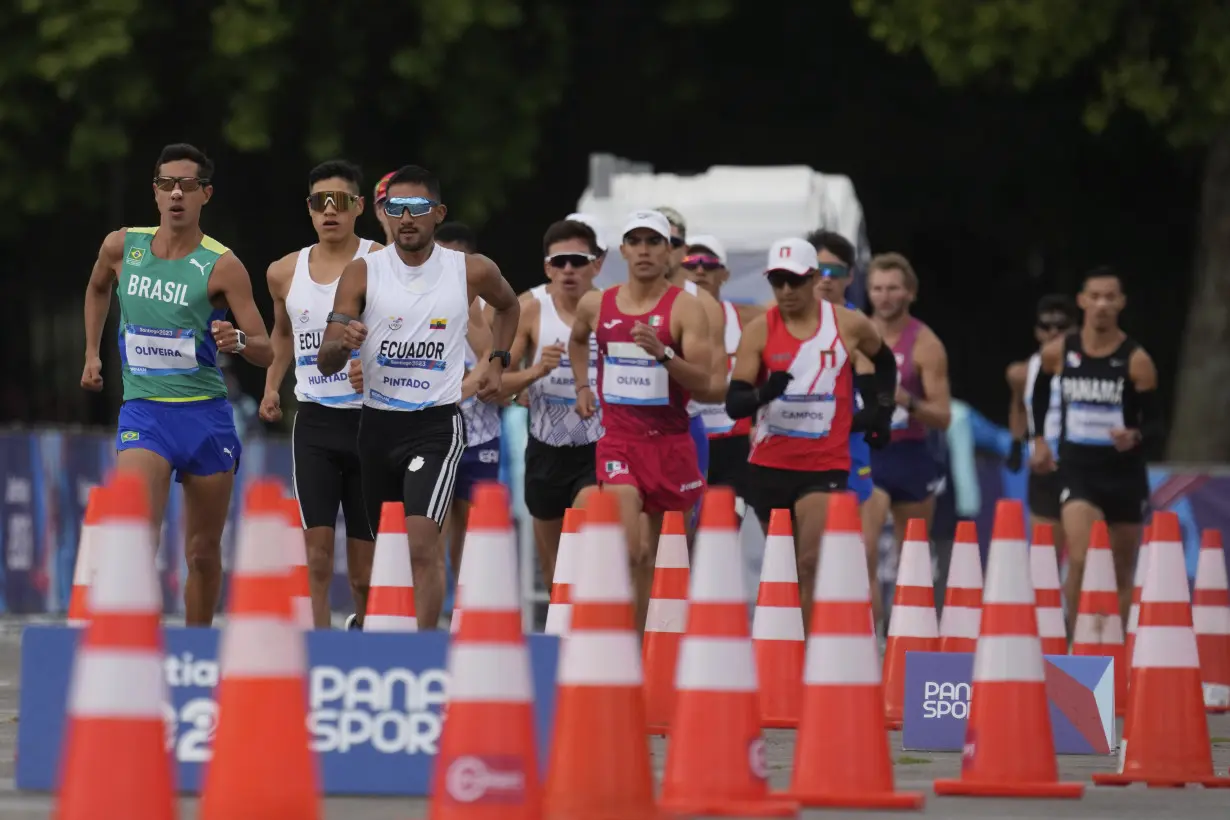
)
(747, 208)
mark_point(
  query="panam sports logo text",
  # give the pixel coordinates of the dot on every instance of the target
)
(943, 699)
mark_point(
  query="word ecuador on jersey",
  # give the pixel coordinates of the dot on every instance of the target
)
(375, 705)
(1080, 691)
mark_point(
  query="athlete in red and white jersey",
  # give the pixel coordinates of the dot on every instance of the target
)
(653, 354)
(793, 369)
(729, 445)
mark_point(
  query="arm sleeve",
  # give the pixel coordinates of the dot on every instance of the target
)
(741, 400)
(885, 376)
(1152, 419)
(1041, 403)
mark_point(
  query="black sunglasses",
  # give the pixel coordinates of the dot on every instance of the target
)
(186, 184)
(785, 279)
(563, 260)
(676, 243)
(1059, 325)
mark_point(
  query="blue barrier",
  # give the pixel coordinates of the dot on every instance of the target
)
(374, 700)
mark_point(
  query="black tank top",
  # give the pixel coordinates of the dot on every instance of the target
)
(1098, 396)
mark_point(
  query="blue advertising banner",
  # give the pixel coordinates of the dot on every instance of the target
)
(374, 700)
(1080, 691)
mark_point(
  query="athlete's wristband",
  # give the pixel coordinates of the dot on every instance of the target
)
(241, 340)
(339, 318)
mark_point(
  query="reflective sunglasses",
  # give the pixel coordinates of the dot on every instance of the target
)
(702, 261)
(341, 200)
(416, 205)
(779, 279)
(186, 184)
(833, 270)
(576, 260)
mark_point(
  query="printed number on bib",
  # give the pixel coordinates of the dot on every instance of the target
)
(155, 351)
(632, 376)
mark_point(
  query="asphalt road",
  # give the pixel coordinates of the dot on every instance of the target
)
(914, 771)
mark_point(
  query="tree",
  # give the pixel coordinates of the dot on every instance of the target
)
(464, 84)
(1163, 61)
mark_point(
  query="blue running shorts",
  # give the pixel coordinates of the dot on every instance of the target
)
(478, 463)
(696, 426)
(195, 437)
(907, 470)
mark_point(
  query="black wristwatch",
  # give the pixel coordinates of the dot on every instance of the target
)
(503, 355)
(667, 355)
(338, 318)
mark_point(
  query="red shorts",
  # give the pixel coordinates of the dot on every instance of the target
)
(663, 468)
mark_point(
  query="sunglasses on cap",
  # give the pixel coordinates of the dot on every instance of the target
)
(186, 184)
(576, 260)
(416, 205)
(702, 261)
(779, 279)
(833, 270)
(340, 200)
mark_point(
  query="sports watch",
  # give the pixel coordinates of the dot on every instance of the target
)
(241, 340)
(503, 355)
(666, 356)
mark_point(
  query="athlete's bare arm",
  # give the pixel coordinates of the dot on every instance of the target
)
(694, 368)
(747, 313)
(1052, 356)
(715, 317)
(578, 350)
(478, 336)
(854, 326)
(486, 281)
(278, 278)
(934, 407)
(1015, 375)
(751, 348)
(346, 332)
(523, 349)
(98, 305)
(229, 280)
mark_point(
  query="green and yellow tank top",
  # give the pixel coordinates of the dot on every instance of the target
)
(167, 350)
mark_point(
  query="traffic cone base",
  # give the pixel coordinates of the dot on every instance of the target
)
(664, 622)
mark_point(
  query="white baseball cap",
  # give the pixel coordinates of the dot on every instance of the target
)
(711, 242)
(797, 256)
(653, 220)
(592, 224)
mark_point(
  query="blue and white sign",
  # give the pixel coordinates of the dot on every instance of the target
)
(1080, 691)
(375, 705)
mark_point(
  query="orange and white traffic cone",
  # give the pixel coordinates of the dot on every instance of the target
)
(1211, 619)
(1099, 627)
(390, 601)
(487, 766)
(262, 766)
(454, 621)
(1009, 748)
(559, 611)
(1166, 734)
(300, 586)
(600, 754)
(1044, 572)
(962, 614)
(83, 571)
(118, 686)
(912, 626)
(1142, 568)
(777, 628)
(715, 761)
(841, 757)
(667, 616)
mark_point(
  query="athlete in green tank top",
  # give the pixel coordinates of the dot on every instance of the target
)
(166, 346)
(175, 287)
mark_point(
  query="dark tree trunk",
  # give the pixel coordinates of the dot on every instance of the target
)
(1200, 432)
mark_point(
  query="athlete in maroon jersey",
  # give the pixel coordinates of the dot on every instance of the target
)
(794, 367)
(654, 353)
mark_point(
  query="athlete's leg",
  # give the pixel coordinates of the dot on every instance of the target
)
(811, 515)
(360, 540)
(637, 534)
(458, 519)
(547, 533)
(1078, 518)
(1124, 499)
(156, 471)
(144, 447)
(1124, 546)
(317, 477)
(319, 542)
(207, 498)
(874, 514)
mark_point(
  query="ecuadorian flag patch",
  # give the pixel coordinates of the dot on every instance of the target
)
(439, 324)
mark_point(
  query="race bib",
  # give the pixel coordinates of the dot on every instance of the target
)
(632, 376)
(155, 351)
(800, 416)
(324, 389)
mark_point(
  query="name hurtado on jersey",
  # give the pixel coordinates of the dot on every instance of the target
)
(306, 369)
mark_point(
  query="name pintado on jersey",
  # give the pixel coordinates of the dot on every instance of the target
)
(417, 318)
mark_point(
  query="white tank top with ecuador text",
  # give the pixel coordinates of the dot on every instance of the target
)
(308, 304)
(416, 318)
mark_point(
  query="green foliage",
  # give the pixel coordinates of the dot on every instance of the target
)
(1166, 61)
(464, 84)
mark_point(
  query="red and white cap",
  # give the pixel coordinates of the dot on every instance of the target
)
(797, 256)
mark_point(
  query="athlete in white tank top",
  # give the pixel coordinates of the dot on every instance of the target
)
(308, 303)
(414, 354)
(1053, 413)
(553, 399)
(714, 415)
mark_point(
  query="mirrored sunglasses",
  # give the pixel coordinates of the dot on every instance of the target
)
(576, 260)
(702, 261)
(340, 200)
(833, 270)
(186, 184)
(416, 205)
(785, 279)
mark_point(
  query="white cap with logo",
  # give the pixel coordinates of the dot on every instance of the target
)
(653, 220)
(592, 224)
(797, 256)
(711, 242)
